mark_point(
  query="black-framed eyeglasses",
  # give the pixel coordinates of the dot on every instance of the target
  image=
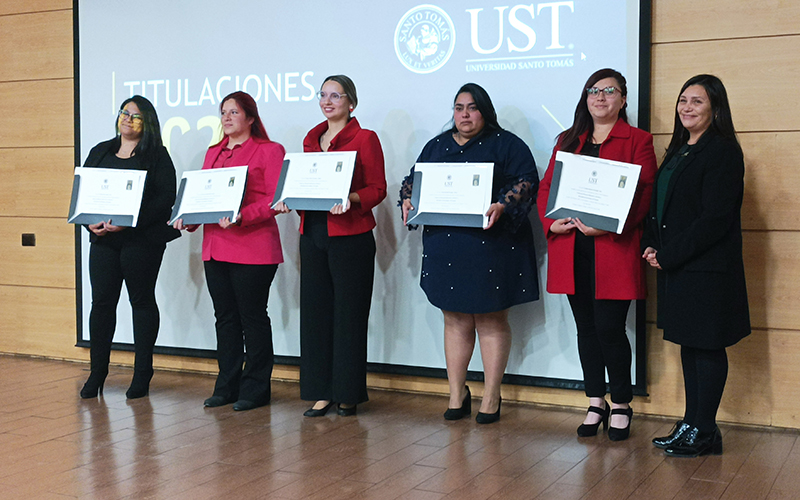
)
(124, 114)
(333, 96)
(608, 91)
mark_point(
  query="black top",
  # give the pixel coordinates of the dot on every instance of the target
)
(157, 199)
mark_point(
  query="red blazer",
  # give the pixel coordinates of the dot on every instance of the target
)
(256, 240)
(369, 177)
(619, 267)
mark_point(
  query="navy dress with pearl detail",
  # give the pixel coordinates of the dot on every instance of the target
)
(472, 270)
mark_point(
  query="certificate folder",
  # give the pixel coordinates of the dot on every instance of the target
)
(597, 191)
(102, 194)
(315, 181)
(437, 204)
(206, 196)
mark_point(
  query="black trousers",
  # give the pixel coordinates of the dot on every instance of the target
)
(137, 265)
(336, 276)
(240, 293)
(704, 374)
(602, 342)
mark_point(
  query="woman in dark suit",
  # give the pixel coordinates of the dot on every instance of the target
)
(130, 254)
(601, 272)
(337, 254)
(694, 239)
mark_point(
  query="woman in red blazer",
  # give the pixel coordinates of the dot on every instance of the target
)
(241, 258)
(337, 254)
(601, 272)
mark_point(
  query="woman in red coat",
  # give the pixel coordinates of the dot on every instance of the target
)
(601, 272)
(337, 254)
(241, 258)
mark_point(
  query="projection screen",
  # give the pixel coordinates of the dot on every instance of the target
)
(407, 59)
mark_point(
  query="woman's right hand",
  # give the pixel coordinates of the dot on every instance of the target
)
(562, 226)
(406, 206)
(178, 224)
(98, 229)
(281, 208)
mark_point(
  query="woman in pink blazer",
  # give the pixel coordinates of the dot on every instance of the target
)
(241, 258)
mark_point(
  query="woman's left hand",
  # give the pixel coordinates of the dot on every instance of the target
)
(588, 231)
(225, 222)
(112, 228)
(339, 209)
(494, 213)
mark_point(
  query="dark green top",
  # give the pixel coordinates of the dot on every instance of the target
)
(664, 177)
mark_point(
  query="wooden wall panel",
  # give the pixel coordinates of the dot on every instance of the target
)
(759, 74)
(37, 114)
(51, 263)
(38, 321)
(24, 6)
(772, 266)
(36, 182)
(682, 20)
(36, 46)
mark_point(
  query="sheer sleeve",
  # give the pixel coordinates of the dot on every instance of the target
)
(518, 197)
(405, 194)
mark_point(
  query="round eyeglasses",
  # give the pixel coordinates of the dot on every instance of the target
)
(333, 96)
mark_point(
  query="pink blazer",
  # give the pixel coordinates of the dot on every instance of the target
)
(256, 240)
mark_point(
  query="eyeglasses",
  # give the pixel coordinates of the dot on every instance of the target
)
(132, 117)
(608, 91)
(333, 96)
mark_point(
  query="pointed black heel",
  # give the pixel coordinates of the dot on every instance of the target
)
(588, 430)
(464, 411)
(93, 385)
(489, 418)
(621, 434)
(311, 412)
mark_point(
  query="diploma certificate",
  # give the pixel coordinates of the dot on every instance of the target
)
(315, 181)
(206, 196)
(599, 192)
(102, 194)
(451, 194)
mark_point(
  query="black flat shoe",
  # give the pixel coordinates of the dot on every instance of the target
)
(244, 405)
(464, 411)
(93, 385)
(587, 430)
(694, 443)
(489, 418)
(621, 434)
(677, 432)
(346, 411)
(311, 412)
(215, 401)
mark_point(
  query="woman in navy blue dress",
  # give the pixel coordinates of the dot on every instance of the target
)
(475, 275)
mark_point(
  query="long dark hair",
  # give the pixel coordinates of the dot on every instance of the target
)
(721, 120)
(248, 105)
(570, 138)
(484, 104)
(150, 142)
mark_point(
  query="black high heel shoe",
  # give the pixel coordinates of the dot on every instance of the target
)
(621, 434)
(464, 411)
(489, 418)
(673, 437)
(93, 385)
(695, 443)
(311, 412)
(346, 411)
(140, 385)
(587, 430)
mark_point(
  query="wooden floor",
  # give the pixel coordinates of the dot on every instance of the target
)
(54, 445)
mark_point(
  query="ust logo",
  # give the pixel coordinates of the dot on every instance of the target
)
(424, 39)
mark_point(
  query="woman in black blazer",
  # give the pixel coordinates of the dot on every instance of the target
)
(694, 239)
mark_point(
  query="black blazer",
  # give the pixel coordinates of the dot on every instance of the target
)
(702, 296)
(157, 198)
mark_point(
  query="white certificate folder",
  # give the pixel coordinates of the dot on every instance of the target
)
(451, 194)
(206, 196)
(315, 181)
(599, 192)
(103, 194)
